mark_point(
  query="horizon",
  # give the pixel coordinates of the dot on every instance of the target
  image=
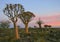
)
(48, 11)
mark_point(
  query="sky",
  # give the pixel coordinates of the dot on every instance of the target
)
(47, 10)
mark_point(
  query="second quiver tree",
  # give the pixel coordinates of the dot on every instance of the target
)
(26, 17)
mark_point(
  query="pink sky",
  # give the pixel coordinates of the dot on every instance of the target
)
(53, 20)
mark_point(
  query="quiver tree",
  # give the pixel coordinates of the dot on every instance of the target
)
(12, 11)
(26, 17)
(39, 22)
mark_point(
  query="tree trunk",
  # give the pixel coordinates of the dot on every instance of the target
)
(26, 27)
(16, 31)
(39, 25)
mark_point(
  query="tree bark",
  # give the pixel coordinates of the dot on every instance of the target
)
(16, 31)
(26, 27)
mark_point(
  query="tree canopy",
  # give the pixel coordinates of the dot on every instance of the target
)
(13, 10)
(26, 17)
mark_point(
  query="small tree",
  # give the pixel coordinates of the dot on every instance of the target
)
(39, 22)
(35, 26)
(12, 11)
(26, 17)
(4, 24)
(45, 26)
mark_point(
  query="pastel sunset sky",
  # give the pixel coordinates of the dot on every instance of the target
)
(47, 10)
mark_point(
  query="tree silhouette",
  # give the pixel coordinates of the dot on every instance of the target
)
(39, 22)
(26, 17)
(12, 11)
(45, 26)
